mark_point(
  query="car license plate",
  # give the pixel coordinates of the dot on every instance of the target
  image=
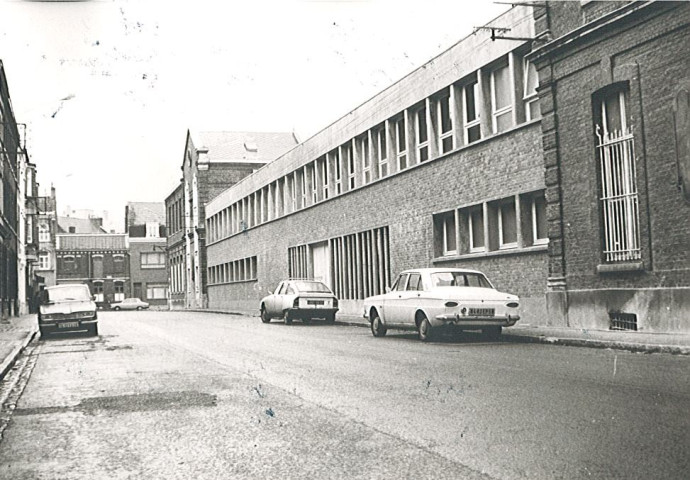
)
(315, 303)
(483, 312)
(68, 325)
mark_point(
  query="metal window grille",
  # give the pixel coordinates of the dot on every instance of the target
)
(622, 321)
(619, 198)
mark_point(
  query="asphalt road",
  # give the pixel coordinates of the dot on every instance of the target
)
(202, 396)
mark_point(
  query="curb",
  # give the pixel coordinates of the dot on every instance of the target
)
(576, 342)
(508, 337)
(8, 362)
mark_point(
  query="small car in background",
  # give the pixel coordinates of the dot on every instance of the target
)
(129, 304)
(67, 308)
(431, 299)
(299, 299)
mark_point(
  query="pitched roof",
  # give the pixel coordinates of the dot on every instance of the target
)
(252, 147)
(80, 225)
(106, 241)
(141, 213)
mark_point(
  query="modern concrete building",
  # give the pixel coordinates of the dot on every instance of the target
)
(442, 168)
(212, 162)
(145, 229)
(615, 98)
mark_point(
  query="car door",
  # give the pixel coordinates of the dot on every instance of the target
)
(410, 299)
(393, 306)
(271, 302)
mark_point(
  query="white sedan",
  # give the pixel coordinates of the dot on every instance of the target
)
(299, 299)
(129, 304)
(429, 299)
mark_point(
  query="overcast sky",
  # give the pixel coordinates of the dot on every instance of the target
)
(108, 88)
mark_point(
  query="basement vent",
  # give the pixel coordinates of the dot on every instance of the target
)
(623, 321)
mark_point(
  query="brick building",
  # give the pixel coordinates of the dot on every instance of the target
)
(442, 168)
(12, 151)
(145, 229)
(46, 235)
(614, 94)
(99, 260)
(212, 162)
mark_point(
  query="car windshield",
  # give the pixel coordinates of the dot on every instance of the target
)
(315, 287)
(68, 293)
(459, 279)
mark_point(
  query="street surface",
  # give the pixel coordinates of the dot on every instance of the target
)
(177, 395)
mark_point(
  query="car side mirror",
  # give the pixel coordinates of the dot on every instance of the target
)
(94, 298)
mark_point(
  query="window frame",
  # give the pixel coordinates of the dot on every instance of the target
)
(508, 109)
(468, 124)
(445, 99)
(470, 216)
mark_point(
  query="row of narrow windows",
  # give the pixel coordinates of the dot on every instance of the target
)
(489, 101)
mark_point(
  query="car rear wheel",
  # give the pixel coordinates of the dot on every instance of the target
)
(424, 328)
(264, 316)
(116, 308)
(378, 329)
(139, 308)
(492, 333)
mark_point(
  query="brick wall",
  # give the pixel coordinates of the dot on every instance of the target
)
(500, 166)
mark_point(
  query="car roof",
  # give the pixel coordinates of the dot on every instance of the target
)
(435, 270)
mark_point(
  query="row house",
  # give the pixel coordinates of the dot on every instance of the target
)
(45, 234)
(442, 168)
(12, 154)
(212, 161)
(146, 235)
(100, 261)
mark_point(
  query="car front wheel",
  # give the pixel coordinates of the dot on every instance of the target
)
(264, 316)
(378, 329)
(116, 308)
(288, 318)
(93, 330)
(139, 308)
(330, 318)
(424, 329)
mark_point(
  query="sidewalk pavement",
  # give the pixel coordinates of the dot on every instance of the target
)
(15, 335)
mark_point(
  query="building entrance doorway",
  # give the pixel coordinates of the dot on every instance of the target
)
(320, 259)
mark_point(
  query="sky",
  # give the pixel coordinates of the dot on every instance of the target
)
(108, 88)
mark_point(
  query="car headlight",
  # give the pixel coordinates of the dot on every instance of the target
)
(48, 316)
(512, 304)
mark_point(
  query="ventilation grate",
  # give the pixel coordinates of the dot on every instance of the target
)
(623, 321)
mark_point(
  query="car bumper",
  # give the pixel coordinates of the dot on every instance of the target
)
(66, 325)
(311, 312)
(474, 322)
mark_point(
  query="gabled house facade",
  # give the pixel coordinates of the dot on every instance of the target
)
(146, 234)
(212, 161)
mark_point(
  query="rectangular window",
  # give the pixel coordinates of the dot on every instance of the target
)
(44, 261)
(501, 99)
(449, 235)
(471, 113)
(350, 168)
(619, 197)
(156, 292)
(366, 160)
(445, 123)
(43, 233)
(476, 230)
(507, 224)
(338, 172)
(152, 229)
(314, 183)
(323, 171)
(532, 110)
(401, 143)
(422, 135)
(382, 152)
(119, 292)
(152, 260)
(539, 229)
